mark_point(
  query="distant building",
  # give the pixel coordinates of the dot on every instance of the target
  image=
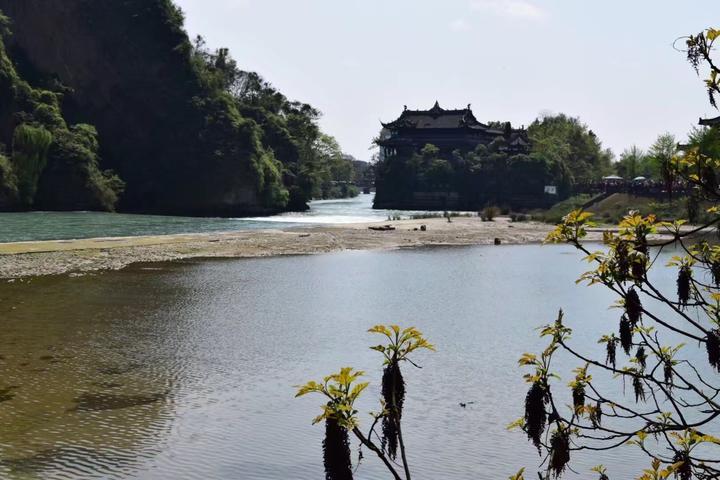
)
(710, 122)
(448, 130)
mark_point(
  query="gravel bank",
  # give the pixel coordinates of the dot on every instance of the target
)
(73, 256)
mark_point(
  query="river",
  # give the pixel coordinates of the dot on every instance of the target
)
(186, 370)
(30, 226)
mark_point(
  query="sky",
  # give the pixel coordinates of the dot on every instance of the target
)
(610, 62)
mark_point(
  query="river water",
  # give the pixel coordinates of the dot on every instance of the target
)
(18, 227)
(186, 370)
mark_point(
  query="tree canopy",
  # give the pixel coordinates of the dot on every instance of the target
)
(311, 162)
(566, 141)
(40, 143)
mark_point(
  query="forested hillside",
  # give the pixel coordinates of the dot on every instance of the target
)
(176, 128)
(44, 162)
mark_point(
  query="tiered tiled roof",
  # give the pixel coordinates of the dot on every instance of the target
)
(710, 122)
(439, 118)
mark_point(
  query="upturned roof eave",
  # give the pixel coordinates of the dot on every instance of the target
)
(710, 122)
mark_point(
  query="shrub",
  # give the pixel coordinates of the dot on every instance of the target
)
(30, 149)
(76, 150)
(8, 182)
(489, 213)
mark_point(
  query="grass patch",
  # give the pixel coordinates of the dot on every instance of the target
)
(612, 209)
(555, 213)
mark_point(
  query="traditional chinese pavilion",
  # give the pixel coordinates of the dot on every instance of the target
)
(448, 130)
(710, 122)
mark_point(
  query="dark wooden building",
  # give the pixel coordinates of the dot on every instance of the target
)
(449, 130)
(710, 122)
(408, 181)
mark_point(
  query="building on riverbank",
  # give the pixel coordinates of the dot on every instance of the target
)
(440, 159)
(710, 122)
(449, 130)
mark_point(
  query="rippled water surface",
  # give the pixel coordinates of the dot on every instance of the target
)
(30, 226)
(185, 370)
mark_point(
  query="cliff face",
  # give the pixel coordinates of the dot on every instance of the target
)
(44, 162)
(127, 64)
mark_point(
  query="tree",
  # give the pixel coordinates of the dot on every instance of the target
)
(673, 400)
(706, 141)
(489, 174)
(563, 139)
(30, 151)
(309, 160)
(662, 153)
(341, 390)
(633, 163)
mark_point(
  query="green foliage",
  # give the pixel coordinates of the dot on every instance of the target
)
(429, 152)
(489, 213)
(634, 163)
(662, 153)
(8, 183)
(342, 390)
(29, 155)
(657, 370)
(563, 152)
(45, 153)
(295, 161)
(570, 145)
(614, 208)
(402, 342)
(439, 173)
(340, 416)
(222, 140)
(488, 174)
(4, 26)
(556, 213)
(706, 141)
(76, 150)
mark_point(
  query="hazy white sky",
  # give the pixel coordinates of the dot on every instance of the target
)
(610, 62)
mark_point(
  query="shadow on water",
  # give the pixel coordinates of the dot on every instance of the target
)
(7, 394)
(96, 402)
(80, 392)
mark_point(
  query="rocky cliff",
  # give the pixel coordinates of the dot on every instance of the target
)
(126, 67)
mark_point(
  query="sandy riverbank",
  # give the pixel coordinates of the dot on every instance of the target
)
(26, 259)
(70, 256)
